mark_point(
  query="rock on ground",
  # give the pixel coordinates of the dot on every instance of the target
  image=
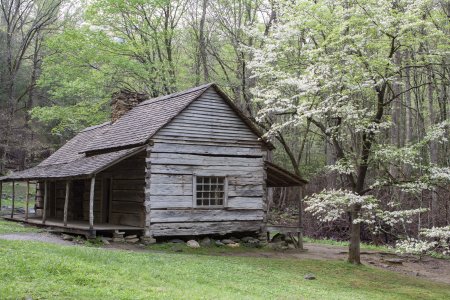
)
(310, 277)
(193, 244)
(246, 239)
(234, 239)
(67, 237)
(205, 242)
(228, 241)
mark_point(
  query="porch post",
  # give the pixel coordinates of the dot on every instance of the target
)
(66, 202)
(91, 204)
(27, 204)
(44, 212)
(13, 198)
(1, 193)
(300, 218)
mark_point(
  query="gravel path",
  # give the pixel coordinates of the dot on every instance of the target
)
(38, 237)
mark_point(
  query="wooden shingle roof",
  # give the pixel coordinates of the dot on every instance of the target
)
(78, 168)
(69, 162)
(280, 177)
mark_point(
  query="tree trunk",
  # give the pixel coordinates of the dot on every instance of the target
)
(354, 254)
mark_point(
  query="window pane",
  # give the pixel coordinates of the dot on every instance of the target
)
(210, 190)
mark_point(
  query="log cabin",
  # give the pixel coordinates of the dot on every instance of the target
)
(185, 164)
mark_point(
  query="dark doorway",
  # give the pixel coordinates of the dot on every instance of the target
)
(76, 205)
(106, 201)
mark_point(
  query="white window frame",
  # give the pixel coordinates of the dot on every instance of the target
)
(194, 191)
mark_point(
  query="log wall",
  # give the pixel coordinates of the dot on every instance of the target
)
(127, 191)
(206, 139)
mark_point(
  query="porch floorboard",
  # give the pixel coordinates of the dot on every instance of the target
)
(78, 225)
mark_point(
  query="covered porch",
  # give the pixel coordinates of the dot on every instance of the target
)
(279, 177)
(83, 197)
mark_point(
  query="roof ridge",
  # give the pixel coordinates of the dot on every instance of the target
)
(176, 94)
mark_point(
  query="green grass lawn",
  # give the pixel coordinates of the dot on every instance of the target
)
(20, 192)
(20, 189)
(46, 271)
(13, 227)
(363, 246)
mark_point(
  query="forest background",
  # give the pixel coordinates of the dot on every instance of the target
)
(353, 93)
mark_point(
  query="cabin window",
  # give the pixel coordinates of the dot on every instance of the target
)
(210, 191)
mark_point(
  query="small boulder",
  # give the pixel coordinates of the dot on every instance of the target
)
(147, 240)
(132, 241)
(234, 245)
(105, 241)
(228, 241)
(253, 243)
(235, 239)
(246, 239)
(205, 242)
(193, 244)
(219, 243)
(67, 237)
(131, 236)
(310, 277)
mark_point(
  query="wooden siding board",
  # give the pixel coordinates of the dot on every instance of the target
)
(201, 228)
(166, 147)
(205, 215)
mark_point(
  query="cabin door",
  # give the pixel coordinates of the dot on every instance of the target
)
(76, 203)
(106, 201)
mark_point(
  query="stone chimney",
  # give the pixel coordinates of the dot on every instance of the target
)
(124, 100)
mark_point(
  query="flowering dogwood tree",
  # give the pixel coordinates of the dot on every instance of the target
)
(435, 238)
(333, 64)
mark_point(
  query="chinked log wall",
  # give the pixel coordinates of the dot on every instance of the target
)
(207, 139)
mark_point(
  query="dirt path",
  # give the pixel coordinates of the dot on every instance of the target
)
(429, 268)
(37, 237)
